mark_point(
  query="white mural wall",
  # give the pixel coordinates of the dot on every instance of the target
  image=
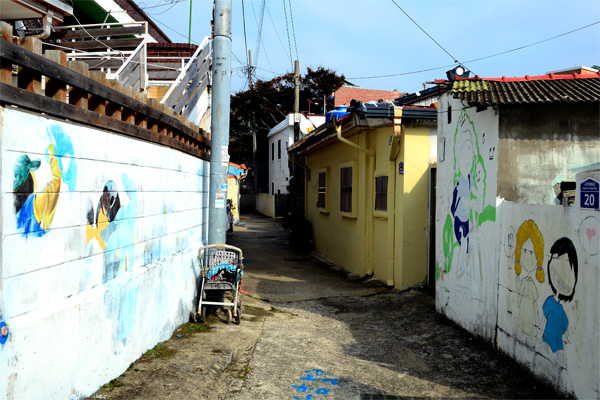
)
(466, 272)
(99, 240)
(524, 276)
(548, 315)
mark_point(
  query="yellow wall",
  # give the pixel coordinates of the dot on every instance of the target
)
(364, 244)
(232, 194)
(415, 152)
(338, 238)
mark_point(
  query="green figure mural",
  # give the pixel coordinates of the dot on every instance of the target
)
(463, 247)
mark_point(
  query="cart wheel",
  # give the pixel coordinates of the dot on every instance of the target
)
(194, 315)
(229, 315)
(238, 317)
(202, 318)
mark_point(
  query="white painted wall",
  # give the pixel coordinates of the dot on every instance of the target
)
(283, 135)
(265, 204)
(496, 282)
(466, 286)
(556, 340)
(79, 311)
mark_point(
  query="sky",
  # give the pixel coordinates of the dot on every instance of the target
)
(381, 44)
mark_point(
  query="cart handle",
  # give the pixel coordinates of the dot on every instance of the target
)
(221, 246)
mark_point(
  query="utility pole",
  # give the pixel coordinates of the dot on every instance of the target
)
(296, 101)
(190, 30)
(219, 151)
(252, 130)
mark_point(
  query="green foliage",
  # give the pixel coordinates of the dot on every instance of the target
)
(268, 103)
(159, 351)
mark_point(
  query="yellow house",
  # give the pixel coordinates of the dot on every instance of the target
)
(367, 190)
(235, 174)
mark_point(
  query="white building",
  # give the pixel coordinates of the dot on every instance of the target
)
(280, 138)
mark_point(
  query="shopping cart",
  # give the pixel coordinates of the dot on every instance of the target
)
(221, 269)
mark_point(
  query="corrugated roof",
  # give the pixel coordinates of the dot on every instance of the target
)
(527, 90)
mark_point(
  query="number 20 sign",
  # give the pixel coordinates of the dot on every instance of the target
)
(590, 194)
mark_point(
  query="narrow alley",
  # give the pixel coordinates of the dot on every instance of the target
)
(308, 332)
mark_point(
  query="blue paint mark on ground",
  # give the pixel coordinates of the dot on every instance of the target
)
(318, 382)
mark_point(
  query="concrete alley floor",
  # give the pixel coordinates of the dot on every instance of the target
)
(308, 332)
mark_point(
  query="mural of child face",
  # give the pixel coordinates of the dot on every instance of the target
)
(563, 276)
(528, 258)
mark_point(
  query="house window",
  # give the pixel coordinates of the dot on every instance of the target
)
(272, 151)
(279, 149)
(322, 194)
(381, 188)
(346, 189)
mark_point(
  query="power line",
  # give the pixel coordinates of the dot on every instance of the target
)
(430, 37)
(245, 38)
(276, 32)
(164, 11)
(533, 44)
(288, 33)
(293, 29)
(195, 42)
(481, 58)
(260, 27)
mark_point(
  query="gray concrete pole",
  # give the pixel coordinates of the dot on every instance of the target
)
(219, 152)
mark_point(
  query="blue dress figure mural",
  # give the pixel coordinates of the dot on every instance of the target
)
(562, 277)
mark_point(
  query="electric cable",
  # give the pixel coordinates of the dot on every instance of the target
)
(293, 29)
(430, 37)
(480, 58)
(245, 38)
(288, 33)
(260, 27)
(276, 32)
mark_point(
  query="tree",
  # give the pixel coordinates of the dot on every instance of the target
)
(266, 104)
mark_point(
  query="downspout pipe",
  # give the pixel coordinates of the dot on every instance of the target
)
(395, 148)
(369, 214)
(338, 130)
(47, 29)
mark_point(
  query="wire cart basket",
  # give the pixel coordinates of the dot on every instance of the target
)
(221, 269)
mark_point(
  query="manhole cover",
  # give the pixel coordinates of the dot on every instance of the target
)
(388, 397)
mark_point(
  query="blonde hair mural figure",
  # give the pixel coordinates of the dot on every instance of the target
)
(529, 258)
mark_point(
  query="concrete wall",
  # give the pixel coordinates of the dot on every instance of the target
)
(549, 271)
(279, 171)
(265, 204)
(466, 273)
(99, 241)
(523, 276)
(557, 140)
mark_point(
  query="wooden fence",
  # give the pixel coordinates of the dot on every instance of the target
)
(67, 90)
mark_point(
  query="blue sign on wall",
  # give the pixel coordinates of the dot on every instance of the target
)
(589, 194)
(401, 168)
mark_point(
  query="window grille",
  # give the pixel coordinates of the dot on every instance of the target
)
(322, 189)
(381, 188)
(346, 189)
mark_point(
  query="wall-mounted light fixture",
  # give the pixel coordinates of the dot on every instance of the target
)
(458, 72)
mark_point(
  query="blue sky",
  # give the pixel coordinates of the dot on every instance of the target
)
(374, 38)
